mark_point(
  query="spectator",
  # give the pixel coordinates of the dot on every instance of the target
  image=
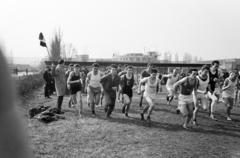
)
(48, 79)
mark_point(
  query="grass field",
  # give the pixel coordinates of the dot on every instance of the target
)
(130, 137)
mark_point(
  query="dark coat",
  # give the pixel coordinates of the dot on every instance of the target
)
(107, 83)
(47, 77)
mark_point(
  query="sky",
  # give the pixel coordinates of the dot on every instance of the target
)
(206, 28)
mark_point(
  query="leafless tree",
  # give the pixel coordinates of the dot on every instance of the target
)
(69, 51)
(56, 46)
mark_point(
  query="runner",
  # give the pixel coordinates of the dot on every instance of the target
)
(105, 71)
(119, 68)
(171, 79)
(110, 83)
(94, 86)
(70, 69)
(124, 70)
(119, 93)
(145, 73)
(185, 100)
(126, 84)
(203, 80)
(74, 80)
(150, 93)
(213, 87)
(84, 72)
(228, 94)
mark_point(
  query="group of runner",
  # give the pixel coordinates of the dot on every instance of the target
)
(198, 88)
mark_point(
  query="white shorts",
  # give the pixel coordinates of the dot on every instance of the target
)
(203, 98)
(151, 99)
(169, 87)
(185, 104)
(213, 97)
(185, 99)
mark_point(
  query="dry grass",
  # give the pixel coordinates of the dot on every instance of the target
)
(26, 84)
(129, 137)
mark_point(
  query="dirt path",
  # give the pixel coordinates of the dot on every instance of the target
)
(130, 137)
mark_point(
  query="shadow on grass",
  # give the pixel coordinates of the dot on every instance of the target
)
(165, 126)
(219, 129)
(235, 114)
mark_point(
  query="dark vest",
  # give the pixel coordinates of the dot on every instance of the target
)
(211, 79)
(187, 87)
(74, 78)
(127, 83)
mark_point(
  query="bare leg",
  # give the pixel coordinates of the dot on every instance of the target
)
(80, 105)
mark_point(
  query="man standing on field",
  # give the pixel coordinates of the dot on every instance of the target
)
(60, 83)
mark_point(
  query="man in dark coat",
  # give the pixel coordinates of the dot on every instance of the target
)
(48, 79)
(110, 83)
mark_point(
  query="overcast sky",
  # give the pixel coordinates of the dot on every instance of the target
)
(207, 28)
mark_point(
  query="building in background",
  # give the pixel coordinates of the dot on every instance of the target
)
(82, 57)
(228, 64)
(149, 57)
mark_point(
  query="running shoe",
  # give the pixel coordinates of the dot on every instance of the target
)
(212, 117)
(229, 118)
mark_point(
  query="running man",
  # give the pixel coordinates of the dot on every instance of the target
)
(201, 93)
(126, 84)
(70, 69)
(105, 72)
(213, 87)
(185, 100)
(228, 92)
(74, 80)
(124, 70)
(94, 86)
(172, 78)
(145, 73)
(110, 84)
(119, 92)
(150, 93)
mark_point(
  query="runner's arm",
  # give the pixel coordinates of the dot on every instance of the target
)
(226, 85)
(142, 81)
(165, 76)
(88, 78)
(195, 88)
(179, 83)
(70, 77)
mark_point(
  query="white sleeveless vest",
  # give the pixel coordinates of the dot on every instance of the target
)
(171, 81)
(150, 89)
(202, 85)
(95, 80)
(229, 92)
